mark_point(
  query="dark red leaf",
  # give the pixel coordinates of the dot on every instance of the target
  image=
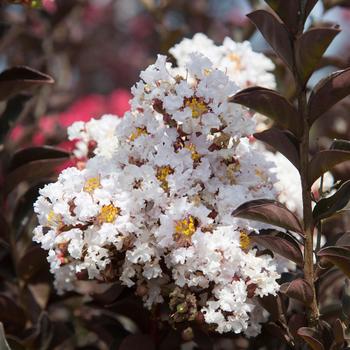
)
(310, 4)
(311, 337)
(282, 244)
(11, 315)
(281, 141)
(343, 240)
(30, 154)
(310, 48)
(270, 212)
(330, 205)
(272, 303)
(339, 332)
(275, 33)
(32, 171)
(343, 145)
(109, 295)
(298, 289)
(328, 92)
(339, 256)
(324, 161)
(17, 79)
(137, 341)
(288, 11)
(271, 104)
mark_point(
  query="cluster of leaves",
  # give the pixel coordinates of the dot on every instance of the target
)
(302, 51)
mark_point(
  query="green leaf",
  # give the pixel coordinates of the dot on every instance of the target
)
(281, 141)
(280, 243)
(324, 161)
(310, 48)
(275, 33)
(269, 212)
(330, 205)
(17, 79)
(273, 105)
(328, 92)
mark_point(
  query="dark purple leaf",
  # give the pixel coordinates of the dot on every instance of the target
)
(11, 315)
(310, 4)
(339, 332)
(328, 92)
(330, 205)
(311, 337)
(279, 331)
(272, 303)
(275, 33)
(32, 263)
(288, 11)
(109, 295)
(298, 289)
(30, 154)
(343, 145)
(137, 341)
(280, 243)
(343, 240)
(339, 256)
(15, 80)
(310, 48)
(271, 104)
(12, 111)
(324, 161)
(270, 212)
(281, 141)
(30, 172)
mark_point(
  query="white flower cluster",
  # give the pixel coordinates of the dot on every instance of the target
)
(153, 207)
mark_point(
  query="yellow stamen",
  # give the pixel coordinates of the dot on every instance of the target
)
(194, 154)
(261, 174)
(244, 240)
(108, 213)
(235, 59)
(186, 227)
(162, 175)
(139, 131)
(92, 184)
(198, 107)
(53, 219)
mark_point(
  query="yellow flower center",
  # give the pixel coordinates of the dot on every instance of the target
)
(186, 227)
(194, 154)
(108, 213)
(244, 240)
(53, 219)
(235, 59)
(139, 131)
(198, 107)
(162, 175)
(91, 184)
(261, 174)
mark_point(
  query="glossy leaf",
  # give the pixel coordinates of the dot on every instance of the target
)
(275, 33)
(324, 161)
(298, 289)
(3, 342)
(310, 48)
(282, 244)
(30, 154)
(281, 141)
(17, 79)
(32, 171)
(310, 4)
(328, 92)
(288, 11)
(343, 145)
(12, 112)
(330, 205)
(339, 256)
(271, 104)
(311, 337)
(270, 212)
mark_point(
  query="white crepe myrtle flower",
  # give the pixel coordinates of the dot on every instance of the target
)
(152, 208)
